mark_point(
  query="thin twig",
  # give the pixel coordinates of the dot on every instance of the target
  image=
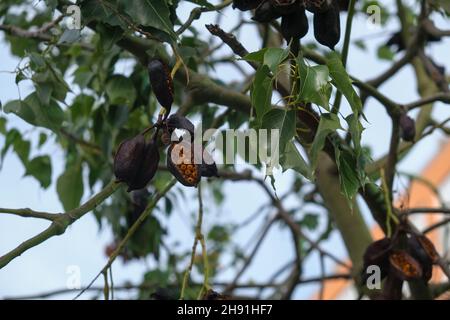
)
(60, 224)
(144, 215)
(28, 213)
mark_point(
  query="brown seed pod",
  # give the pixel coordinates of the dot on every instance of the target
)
(327, 27)
(377, 253)
(294, 25)
(136, 162)
(128, 158)
(416, 250)
(404, 266)
(245, 5)
(148, 167)
(166, 138)
(208, 167)
(161, 82)
(407, 127)
(429, 248)
(285, 6)
(392, 289)
(318, 6)
(213, 295)
(176, 121)
(180, 162)
(266, 12)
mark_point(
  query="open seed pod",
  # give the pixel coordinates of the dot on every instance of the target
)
(176, 121)
(294, 25)
(161, 82)
(327, 27)
(180, 162)
(429, 248)
(417, 251)
(404, 266)
(377, 253)
(407, 127)
(266, 12)
(128, 158)
(245, 5)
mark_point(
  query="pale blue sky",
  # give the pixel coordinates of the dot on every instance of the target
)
(44, 267)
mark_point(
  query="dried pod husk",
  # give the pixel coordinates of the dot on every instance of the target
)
(245, 5)
(128, 158)
(180, 162)
(285, 6)
(139, 201)
(327, 27)
(417, 251)
(295, 25)
(407, 127)
(429, 248)
(176, 121)
(266, 12)
(377, 253)
(318, 6)
(392, 289)
(166, 138)
(213, 295)
(148, 167)
(404, 266)
(161, 82)
(208, 167)
(343, 4)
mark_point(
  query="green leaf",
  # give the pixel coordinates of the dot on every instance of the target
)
(342, 82)
(121, 90)
(329, 122)
(32, 111)
(314, 84)
(273, 57)
(348, 175)
(281, 120)
(70, 36)
(20, 76)
(385, 53)
(292, 159)
(257, 56)
(41, 169)
(70, 187)
(83, 76)
(310, 221)
(151, 13)
(261, 92)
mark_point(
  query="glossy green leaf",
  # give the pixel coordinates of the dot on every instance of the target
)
(32, 111)
(292, 159)
(152, 13)
(121, 90)
(314, 84)
(329, 122)
(261, 92)
(40, 168)
(282, 120)
(343, 83)
(70, 187)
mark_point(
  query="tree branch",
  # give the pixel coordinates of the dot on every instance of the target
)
(60, 224)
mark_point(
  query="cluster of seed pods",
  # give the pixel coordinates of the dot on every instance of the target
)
(294, 22)
(136, 160)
